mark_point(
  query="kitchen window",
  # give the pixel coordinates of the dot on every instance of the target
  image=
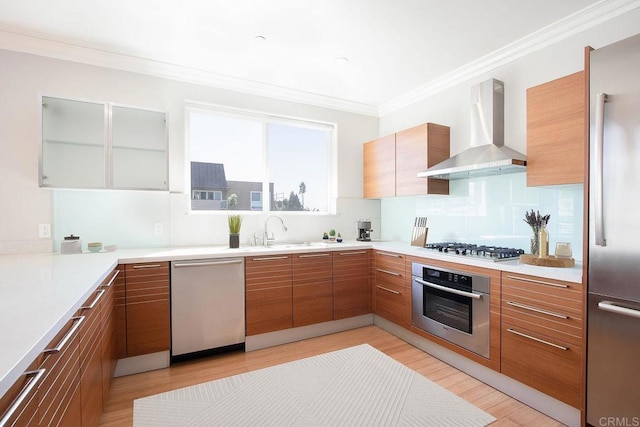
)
(236, 158)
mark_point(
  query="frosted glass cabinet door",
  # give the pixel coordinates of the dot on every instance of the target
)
(139, 148)
(73, 144)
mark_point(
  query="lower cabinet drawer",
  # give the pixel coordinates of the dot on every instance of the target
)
(394, 304)
(544, 363)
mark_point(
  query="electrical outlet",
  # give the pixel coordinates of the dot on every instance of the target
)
(44, 231)
(158, 228)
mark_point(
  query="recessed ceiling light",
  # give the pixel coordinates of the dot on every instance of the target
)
(259, 39)
(341, 60)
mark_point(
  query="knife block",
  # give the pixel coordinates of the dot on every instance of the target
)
(419, 236)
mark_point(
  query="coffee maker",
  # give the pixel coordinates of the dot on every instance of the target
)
(364, 230)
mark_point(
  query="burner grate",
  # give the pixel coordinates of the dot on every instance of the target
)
(493, 253)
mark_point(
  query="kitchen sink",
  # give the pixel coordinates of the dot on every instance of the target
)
(296, 245)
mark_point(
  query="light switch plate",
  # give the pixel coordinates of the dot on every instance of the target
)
(44, 231)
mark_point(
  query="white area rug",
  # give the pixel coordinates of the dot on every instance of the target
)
(357, 386)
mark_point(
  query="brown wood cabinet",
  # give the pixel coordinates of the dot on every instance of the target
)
(147, 308)
(351, 284)
(120, 345)
(312, 288)
(269, 293)
(417, 149)
(379, 168)
(392, 288)
(556, 123)
(542, 329)
(109, 337)
(391, 163)
(19, 405)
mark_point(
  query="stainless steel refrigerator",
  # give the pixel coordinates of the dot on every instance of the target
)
(613, 345)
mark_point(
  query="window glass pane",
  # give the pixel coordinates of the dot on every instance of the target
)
(226, 156)
(298, 162)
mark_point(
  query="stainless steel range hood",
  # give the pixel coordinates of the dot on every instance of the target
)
(487, 155)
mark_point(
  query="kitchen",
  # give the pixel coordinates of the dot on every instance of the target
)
(127, 218)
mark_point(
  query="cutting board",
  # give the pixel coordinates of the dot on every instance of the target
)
(550, 261)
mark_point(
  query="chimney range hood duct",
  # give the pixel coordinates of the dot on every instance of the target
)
(487, 156)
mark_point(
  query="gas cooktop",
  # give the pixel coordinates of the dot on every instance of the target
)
(489, 253)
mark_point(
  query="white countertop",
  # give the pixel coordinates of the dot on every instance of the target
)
(40, 292)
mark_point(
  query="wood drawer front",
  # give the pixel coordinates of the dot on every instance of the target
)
(268, 272)
(394, 304)
(312, 303)
(390, 269)
(312, 268)
(553, 371)
(148, 328)
(564, 325)
(544, 289)
(62, 376)
(137, 296)
(269, 310)
(351, 284)
(91, 328)
(143, 271)
(25, 414)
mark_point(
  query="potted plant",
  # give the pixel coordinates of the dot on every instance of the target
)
(235, 223)
(325, 236)
(332, 235)
(339, 238)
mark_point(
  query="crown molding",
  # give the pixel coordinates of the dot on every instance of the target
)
(582, 20)
(85, 55)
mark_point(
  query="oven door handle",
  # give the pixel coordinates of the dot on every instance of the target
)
(449, 290)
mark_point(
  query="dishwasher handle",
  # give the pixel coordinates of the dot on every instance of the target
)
(207, 263)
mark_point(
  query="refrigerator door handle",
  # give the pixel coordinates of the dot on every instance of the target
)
(614, 308)
(601, 98)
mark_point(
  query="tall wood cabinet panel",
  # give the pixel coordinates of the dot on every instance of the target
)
(417, 149)
(556, 124)
(379, 168)
(312, 288)
(269, 293)
(351, 286)
(147, 308)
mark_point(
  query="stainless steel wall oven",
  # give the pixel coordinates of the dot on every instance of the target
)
(453, 305)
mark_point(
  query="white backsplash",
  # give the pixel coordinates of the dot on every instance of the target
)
(491, 211)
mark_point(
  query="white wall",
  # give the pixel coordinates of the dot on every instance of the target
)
(127, 218)
(496, 213)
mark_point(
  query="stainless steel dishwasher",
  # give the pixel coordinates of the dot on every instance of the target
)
(207, 307)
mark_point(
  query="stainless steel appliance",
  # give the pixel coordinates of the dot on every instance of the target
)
(613, 343)
(453, 305)
(207, 307)
(484, 252)
(487, 155)
(364, 230)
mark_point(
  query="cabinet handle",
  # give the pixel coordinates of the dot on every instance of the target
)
(67, 337)
(387, 289)
(208, 263)
(537, 310)
(112, 279)
(270, 258)
(389, 272)
(95, 301)
(353, 253)
(37, 375)
(537, 339)
(314, 255)
(539, 282)
(147, 266)
(388, 254)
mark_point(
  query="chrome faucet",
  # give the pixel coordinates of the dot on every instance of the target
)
(268, 239)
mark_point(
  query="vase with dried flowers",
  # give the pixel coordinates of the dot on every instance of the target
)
(536, 222)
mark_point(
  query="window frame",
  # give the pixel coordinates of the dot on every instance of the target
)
(264, 118)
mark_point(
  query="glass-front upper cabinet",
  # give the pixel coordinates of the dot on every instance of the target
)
(101, 145)
(139, 148)
(73, 144)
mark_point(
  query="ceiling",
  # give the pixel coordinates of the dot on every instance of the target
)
(396, 49)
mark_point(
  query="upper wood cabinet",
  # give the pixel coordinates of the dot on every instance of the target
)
(391, 163)
(556, 129)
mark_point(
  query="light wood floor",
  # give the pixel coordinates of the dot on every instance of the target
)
(508, 411)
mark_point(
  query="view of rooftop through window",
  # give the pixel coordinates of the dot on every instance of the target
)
(236, 160)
